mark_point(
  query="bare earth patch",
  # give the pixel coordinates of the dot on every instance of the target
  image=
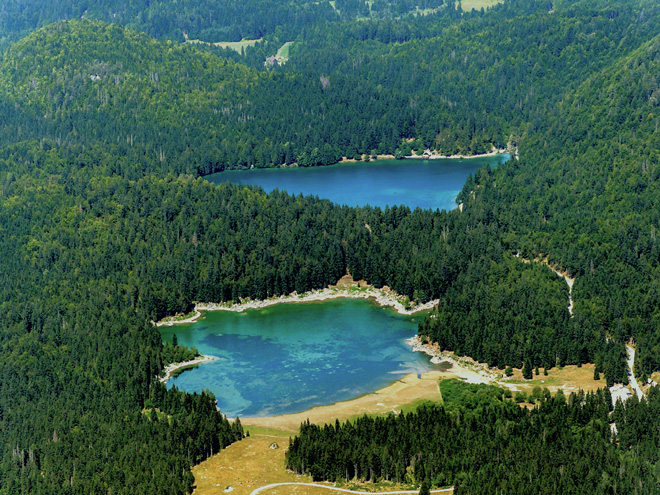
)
(234, 45)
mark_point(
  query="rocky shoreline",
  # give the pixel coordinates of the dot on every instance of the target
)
(382, 297)
(467, 368)
(172, 368)
(432, 155)
(169, 321)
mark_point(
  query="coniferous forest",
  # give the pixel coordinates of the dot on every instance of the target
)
(109, 120)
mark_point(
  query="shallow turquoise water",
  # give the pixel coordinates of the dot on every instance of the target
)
(428, 184)
(290, 357)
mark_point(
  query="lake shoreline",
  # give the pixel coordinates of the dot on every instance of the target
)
(382, 297)
(427, 182)
(403, 391)
(168, 321)
(471, 370)
(426, 156)
(434, 156)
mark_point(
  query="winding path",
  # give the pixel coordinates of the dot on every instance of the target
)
(631, 375)
(344, 490)
(570, 282)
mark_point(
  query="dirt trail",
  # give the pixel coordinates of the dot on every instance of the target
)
(343, 490)
(631, 375)
(569, 281)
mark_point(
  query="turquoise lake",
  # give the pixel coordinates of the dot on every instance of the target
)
(290, 357)
(428, 184)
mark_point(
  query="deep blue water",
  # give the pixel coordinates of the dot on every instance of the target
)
(428, 184)
(290, 357)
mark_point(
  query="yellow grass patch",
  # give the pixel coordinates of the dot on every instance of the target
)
(309, 490)
(245, 465)
(569, 379)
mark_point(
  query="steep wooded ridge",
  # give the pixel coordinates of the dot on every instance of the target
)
(104, 225)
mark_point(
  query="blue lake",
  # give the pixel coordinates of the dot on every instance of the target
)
(290, 357)
(428, 184)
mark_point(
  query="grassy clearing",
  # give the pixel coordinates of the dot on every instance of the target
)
(251, 463)
(468, 5)
(237, 46)
(265, 431)
(284, 51)
(245, 465)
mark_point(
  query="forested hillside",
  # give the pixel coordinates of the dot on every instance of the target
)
(105, 224)
(224, 20)
(594, 209)
(358, 88)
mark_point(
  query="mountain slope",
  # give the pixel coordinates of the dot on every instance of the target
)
(592, 207)
(174, 108)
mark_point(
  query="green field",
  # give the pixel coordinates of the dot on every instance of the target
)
(478, 4)
(285, 49)
(234, 45)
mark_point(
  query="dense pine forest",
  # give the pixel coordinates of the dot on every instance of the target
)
(106, 225)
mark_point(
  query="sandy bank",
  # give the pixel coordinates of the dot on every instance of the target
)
(345, 159)
(431, 155)
(410, 388)
(170, 369)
